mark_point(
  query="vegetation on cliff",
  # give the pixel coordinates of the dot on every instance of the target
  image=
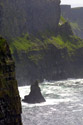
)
(34, 54)
(10, 105)
(75, 17)
(64, 39)
(44, 41)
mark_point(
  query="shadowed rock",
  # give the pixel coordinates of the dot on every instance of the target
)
(28, 16)
(10, 103)
(35, 95)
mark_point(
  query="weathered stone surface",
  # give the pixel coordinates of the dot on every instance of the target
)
(66, 29)
(35, 95)
(43, 15)
(66, 11)
(10, 105)
(1, 15)
(21, 16)
(75, 16)
(56, 62)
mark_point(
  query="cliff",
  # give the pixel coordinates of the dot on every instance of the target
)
(75, 17)
(66, 11)
(32, 16)
(45, 48)
(1, 13)
(10, 105)
(48, 57)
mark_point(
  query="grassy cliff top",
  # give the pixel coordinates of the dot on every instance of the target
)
(62, 20)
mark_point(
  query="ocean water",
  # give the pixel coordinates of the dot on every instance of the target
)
(63, 106)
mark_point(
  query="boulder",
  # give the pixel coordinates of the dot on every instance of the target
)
(35, 95)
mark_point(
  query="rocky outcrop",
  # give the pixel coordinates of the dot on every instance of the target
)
(21, 16)
(55, 65)
(35, 95)
(66, 11)
(75, 17)
(42, 54)
(53, 58)
(10, 105)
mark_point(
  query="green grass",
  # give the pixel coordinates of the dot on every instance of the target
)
(2, 41)
(56, 41)
(35, 58)
(62, 20)
(2, 45)
(75, 26)
(25, 43)
(33, 44)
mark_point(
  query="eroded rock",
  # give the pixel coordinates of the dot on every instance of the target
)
(10, 105)
(35, 95)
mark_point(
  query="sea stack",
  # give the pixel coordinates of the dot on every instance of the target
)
(35, 95)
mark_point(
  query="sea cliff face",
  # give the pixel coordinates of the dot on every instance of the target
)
(49, 57)
(49, 50)
(43, 15)
(10, 105)
(75, 17)
(1, 14)
(32, 16)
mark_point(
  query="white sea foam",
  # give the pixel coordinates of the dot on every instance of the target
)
(64, 104)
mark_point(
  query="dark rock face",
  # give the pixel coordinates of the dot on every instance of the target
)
(43, 15)
(21, 16)
(35, 95)
(1, 14)
(66, 29)
(66, 11)
(56, 63)
(75, 16)
(10, 105)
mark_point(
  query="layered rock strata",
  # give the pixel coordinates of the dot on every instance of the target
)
(75, 17)
(10, 105)
(21, 16)
(1, 15)
(53, 61)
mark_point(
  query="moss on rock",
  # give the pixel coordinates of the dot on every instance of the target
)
(45, 50)
(10, 112)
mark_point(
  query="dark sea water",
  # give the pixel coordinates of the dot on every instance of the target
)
(63, 106)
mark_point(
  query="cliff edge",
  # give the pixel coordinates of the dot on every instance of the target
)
(75, 17)
(10, 105)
